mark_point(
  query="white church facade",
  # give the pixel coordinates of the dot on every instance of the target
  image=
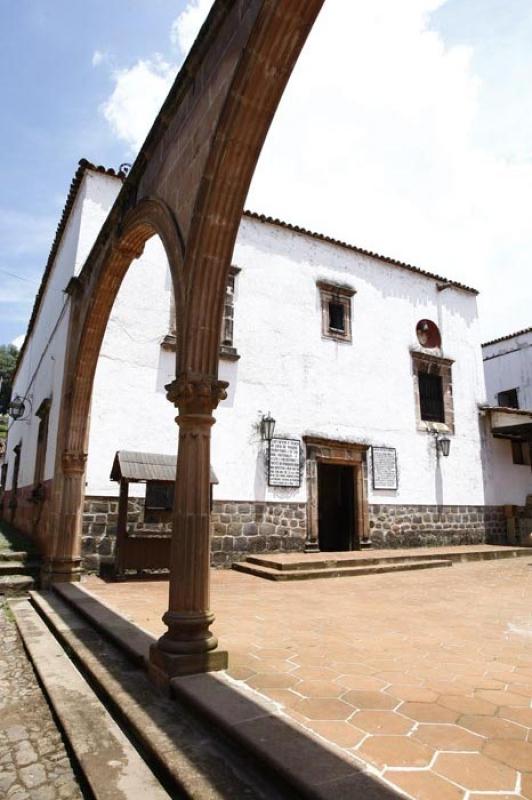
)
(371, 369)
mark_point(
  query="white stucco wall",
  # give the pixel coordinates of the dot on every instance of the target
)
(508, 365)
(361, 391)
(40, 373)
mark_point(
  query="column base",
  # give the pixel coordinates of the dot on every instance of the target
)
(312, 547)
(366, 544)
(163, 666)
(61, 571)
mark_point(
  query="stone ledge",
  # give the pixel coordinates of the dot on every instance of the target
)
(311, 767)
(194, 762)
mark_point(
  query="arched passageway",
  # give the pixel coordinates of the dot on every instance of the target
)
(188, 185)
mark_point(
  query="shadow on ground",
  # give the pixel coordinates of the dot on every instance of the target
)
(209, 730)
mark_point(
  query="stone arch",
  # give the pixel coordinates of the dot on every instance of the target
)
(267, 62)
(198, 161)
(92, 299)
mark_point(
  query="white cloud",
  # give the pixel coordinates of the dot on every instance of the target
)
(140, 90)
(375, 143)
(186, 27)
(136, 99)
(98, 58)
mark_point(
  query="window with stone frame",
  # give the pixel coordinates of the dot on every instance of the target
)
(433, 391)
(336, 322)
(227, 348)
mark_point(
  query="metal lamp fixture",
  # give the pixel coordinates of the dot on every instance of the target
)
(267, 427)
(16, 408)
(443, 444)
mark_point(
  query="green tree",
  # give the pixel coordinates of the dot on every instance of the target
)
(8, 362)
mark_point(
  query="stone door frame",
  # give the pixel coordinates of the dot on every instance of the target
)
(349, 454)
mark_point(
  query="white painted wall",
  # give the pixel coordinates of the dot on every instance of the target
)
(40, 374)
(508, 365)
(361, 391)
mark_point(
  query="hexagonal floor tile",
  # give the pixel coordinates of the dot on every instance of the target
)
(416, 694)
(475, 772)
(424, 785)
(468, 705)
(449, 737)
(514, 754)
(428, 712)
(341, 733)
(502, 698)
(370, 700)
(493, 727)
(323, 708)
(319, 689)
(384, 722)
(523, 716)
(395, 751)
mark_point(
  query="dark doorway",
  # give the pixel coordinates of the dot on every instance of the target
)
(336, 507)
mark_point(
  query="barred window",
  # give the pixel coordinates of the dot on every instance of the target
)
(431, 397)
(335, 311)
(229, 310)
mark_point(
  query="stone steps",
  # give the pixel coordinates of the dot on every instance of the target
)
(110, 764)
(14, 555)
(14, 567)
(190, 758)
(16, 584)
(18, 572)
(213, 736)
(338, 571)
(334, 560)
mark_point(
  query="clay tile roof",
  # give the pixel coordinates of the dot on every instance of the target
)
(508, 336)
(83, 166)
(330, 240)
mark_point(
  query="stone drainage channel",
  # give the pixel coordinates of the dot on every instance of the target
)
(120, 739)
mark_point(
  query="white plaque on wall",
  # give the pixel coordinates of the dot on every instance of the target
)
(384, 467)
(283, 463)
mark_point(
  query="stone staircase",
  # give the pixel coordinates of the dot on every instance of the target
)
(263, 567)
(206, 740)
(19, 570)
(299, 566)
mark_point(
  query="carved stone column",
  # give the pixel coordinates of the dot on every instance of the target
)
(64, 565)
(189, 646)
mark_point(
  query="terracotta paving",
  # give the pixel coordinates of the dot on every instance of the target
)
(425, 677)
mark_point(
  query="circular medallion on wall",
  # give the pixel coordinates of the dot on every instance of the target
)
(428, 333)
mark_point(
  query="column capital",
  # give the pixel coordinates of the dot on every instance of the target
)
(73, 463)
(196, 394)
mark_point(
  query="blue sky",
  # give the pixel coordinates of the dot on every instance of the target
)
(406, 128)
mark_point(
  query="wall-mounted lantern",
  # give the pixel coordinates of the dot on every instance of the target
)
(267, 427)
(16, 408)
(443, 444)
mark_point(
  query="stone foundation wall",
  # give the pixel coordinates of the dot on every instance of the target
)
(238, 528)
(426, 526)
(241, 528)
(98, 537)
